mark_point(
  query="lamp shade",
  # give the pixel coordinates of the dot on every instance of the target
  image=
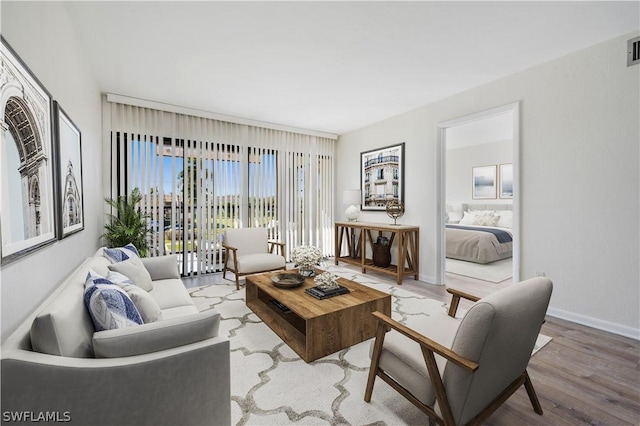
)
(351, 196)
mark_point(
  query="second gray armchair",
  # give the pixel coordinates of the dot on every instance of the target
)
(460, 371)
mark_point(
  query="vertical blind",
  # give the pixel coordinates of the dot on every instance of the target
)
(199, 176)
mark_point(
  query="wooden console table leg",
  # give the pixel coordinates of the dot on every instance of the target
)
(338, 242)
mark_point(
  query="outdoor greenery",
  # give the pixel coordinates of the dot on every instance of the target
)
(129, 224)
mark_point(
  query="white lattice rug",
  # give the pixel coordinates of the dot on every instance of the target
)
(271, 385)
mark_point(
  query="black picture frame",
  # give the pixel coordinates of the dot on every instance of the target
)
(381, 177)
(28, 216)
(70, 202)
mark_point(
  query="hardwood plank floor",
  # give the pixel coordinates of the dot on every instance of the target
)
(583, 376)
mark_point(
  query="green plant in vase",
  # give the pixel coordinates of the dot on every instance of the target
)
(128, 224)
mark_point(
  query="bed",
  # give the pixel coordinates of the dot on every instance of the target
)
(483, 235)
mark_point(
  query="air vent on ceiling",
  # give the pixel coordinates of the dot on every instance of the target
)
(633, 51)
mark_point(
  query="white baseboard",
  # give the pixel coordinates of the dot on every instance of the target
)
(611, 327)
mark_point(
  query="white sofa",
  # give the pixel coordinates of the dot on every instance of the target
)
(174, 371)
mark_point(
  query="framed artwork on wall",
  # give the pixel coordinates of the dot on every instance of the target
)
(381, 177)
(484, 182)
(69, 148)
(506, 181)
(27, 179)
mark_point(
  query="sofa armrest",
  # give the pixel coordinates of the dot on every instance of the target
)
(156, 336)
(189, 384)
(161, 267)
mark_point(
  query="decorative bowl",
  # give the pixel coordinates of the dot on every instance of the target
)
(287, 280)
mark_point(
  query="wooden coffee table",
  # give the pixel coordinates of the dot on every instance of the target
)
(316, 328)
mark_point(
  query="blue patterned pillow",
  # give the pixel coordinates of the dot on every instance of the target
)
(109, 306)
(120, 254)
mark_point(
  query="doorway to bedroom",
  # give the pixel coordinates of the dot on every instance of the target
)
(479, 198)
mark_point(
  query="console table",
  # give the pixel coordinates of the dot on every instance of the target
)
(406, 236)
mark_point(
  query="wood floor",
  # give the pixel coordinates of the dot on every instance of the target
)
(582, 377)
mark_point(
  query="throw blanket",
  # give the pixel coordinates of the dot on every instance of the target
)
(502, 236)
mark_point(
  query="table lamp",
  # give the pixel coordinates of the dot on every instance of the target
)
(351, 197)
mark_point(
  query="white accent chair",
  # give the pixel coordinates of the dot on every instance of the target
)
(249, 251)
(459, 371)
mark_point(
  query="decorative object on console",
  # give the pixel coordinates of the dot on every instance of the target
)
(395, 210)
(381, 177)
(351, 198)
(381, 252)
(306, 259)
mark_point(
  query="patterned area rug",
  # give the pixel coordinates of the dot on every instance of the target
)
(272, 385)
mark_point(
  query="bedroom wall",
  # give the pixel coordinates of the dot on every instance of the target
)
(42, 36)
(579, 177)
(459, 166)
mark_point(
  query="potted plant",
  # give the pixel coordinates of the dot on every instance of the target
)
(128, 224)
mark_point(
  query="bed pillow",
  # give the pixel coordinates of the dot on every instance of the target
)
(506, 218)
(486, 219)
(109, 306)
(146, 305)
(135, 271)
(468, 218)
(120, 254)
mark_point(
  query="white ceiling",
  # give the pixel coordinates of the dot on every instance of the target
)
(328, 66)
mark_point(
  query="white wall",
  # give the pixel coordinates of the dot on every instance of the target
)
(579, 177)
(459, 169)
(42, 36)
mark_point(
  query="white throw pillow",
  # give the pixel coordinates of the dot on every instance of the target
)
(147, 306)
(135, 271)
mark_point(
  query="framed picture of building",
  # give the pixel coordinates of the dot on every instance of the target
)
(382, 177)
(484, 182)
(27, 212)
(69, 148)
(506, 181)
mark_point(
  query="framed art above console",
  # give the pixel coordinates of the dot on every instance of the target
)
(381, 177)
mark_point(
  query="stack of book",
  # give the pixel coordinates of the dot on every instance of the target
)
(325, 294)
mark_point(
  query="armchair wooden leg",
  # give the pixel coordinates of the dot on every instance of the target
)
(532, 394)
(375, 360)
(237, 282)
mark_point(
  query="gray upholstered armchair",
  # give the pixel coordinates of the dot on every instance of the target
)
(460, 371)
(248, 251)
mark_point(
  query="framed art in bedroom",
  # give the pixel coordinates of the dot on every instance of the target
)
(506, 181)
(27, 212)
(484, 183)
(382, 177)
(71, 200)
